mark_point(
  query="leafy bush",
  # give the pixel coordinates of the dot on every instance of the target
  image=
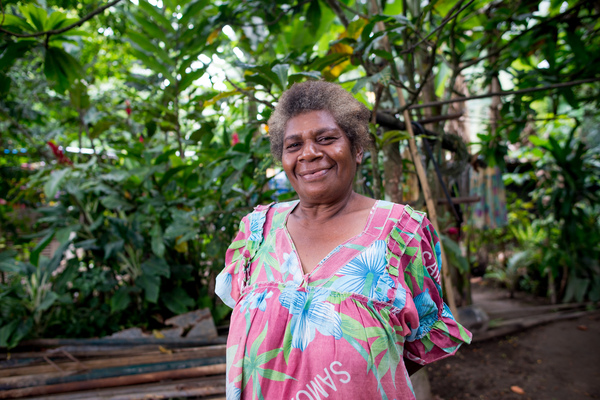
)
(145, 231)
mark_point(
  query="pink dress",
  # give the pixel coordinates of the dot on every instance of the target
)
(343, 330)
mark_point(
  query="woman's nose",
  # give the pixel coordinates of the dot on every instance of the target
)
(310, 151)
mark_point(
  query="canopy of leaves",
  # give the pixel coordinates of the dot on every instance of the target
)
(134, 134)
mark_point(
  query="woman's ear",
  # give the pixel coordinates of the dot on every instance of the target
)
(359, 155)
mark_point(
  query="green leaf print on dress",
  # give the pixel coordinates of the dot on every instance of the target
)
(252, 365)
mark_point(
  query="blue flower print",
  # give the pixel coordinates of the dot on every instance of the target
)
(446, 313)
(257, 220)
(367, 274)
(256, 300)
(233, 392)
(291, 266)
(427, 310)
(400, 299)
(310, 312)
(438, 255)
(223, 288)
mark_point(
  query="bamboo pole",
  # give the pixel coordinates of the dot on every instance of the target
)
(431, 211)
(180, 388)
(65, 367)
(183, 388)
(116, 381)
(69, 377)
(175, 342)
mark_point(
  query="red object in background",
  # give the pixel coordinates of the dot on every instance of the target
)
(452, 230)
(128, 108)
(141, 138)
(59, 154)
(235, 139)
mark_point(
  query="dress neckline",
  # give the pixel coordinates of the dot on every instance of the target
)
(306, 276)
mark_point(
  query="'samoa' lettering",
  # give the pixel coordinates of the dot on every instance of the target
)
(316, 389)
(326, 379)
(304, 392)
(339, 372)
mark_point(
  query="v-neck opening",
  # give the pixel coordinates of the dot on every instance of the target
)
(306, 276)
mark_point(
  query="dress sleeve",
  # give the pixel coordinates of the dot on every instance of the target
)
(233, 278)
(230, 281)
(435, 334)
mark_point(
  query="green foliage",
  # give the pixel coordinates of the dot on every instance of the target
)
(171, 98)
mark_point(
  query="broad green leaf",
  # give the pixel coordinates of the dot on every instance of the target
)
(13, 51)
(120, 300)
(8, 262)
(281, 70)
(53, 183)
(150, 28)
(114, 202)
(192, 10)
(6, 331)
(61, 67)
(36, 16)
(156, 266)
(537, 141)
(178, 301)
(63, 234)
(188, 79)
(313, 15)
(157, 16)
(112, 248)
(12, 21)
(239, 162)
(153, 64)
(145, 44)
(79, 96)
(34, 257)
(150, 284)
(48, 301)
(382, 77)
(157, 243)
(55, 20)
(171, 172)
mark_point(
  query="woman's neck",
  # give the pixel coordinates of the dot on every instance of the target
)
(317, 213)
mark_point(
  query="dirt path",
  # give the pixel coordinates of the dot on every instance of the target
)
(557, 361)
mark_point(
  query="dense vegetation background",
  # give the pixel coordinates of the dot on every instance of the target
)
(133, 139)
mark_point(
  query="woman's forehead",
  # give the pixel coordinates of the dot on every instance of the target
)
(313, 122)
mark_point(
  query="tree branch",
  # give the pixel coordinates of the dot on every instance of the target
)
(350, 9)
(504, 93)
(62, 30)
(276, 20)
(520, 35)
(249, 94)
(444, 22)
(335, 6)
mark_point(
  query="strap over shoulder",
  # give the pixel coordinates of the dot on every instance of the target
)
(257, 220)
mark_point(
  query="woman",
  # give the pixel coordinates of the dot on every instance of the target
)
(334, 294)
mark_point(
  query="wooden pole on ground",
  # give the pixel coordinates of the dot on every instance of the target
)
(432, 214)
(431, 211)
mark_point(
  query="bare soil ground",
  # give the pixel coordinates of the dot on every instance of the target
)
(556, 361)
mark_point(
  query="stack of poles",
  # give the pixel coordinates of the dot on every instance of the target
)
(123, 369)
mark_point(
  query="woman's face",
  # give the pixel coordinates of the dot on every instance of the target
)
(318, 158)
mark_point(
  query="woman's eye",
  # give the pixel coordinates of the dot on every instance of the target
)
(326, 139)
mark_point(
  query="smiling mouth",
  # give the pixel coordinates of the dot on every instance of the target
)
(314, 175)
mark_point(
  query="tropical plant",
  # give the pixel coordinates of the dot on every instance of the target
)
(155, 115)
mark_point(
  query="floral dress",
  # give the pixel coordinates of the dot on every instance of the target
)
(342, 330)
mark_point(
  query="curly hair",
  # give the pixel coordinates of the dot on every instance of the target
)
(350, 115)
